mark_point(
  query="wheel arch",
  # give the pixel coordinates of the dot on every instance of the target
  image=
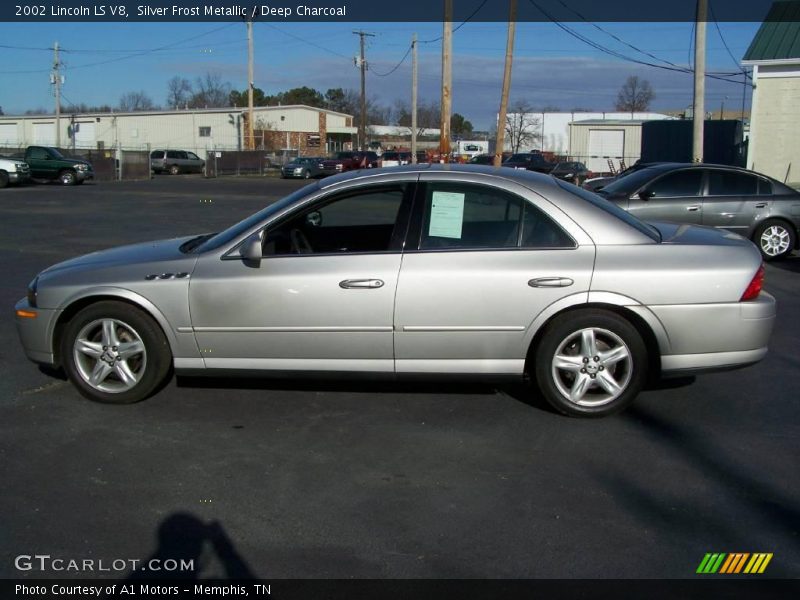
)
(77, 303)
(643, 320)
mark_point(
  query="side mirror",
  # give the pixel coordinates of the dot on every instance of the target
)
(645, 195)
(250, 250)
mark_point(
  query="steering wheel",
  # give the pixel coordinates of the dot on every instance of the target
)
(300, 243)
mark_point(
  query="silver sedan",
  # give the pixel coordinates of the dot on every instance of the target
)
(425, 270)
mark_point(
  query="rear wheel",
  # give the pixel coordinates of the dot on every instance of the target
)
(115, 353)
(67, 177)
(775, 239)
(590, 363)
(174, 170)
(306, 174)
(3, 179)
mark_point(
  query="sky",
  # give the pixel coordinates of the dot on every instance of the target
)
(103, 61)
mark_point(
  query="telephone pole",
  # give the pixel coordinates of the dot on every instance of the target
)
(362, 62)
(447, 79)
(414, 100)
(55, 79)
(501, 117)
(250, 141)
(699, 104)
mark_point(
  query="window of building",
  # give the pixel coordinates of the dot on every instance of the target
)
(205, 131)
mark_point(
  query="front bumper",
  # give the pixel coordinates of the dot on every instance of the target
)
(84, 175)
(19, 177)
(715, 337)
(36, 334)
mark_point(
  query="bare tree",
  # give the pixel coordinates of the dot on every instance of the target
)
(522, 128)
(428, 115)
(635, 95)
(135, 101)
(179, 92)
(210, 92)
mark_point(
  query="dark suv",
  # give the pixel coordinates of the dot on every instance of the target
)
(176, 161)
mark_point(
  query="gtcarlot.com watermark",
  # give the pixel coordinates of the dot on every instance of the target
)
(46, 562)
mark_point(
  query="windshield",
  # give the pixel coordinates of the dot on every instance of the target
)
(613, 209)
(519, 158)
(630, 182)
(230, 234)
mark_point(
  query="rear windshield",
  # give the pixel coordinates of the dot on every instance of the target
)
(611, 208)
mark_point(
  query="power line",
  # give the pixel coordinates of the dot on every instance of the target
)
(724, 43)
(397, 66)
(464, 22)
(297, 37)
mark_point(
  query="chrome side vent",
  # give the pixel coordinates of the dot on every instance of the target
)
(151, 277)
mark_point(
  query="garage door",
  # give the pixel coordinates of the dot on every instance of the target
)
(605, 144)
(44, 134)
(8, 135)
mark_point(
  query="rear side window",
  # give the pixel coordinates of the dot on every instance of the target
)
(157, 154)
(731, 183)
(764, 187)
(680, 184)
(463, 216)
(172, 154)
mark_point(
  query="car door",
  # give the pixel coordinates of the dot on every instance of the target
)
(675, 196)
(41, 163)
(730, 200)
(322, 296)
(481, 263)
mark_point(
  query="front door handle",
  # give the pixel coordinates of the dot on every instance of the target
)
(761, 205)
(550, 282)
(361, 284)
(692, 208)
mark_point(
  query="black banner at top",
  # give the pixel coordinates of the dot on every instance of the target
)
(277, 11)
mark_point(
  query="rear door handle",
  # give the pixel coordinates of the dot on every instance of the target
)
(761, 205)
(361, 284)
(692, 208)
(550, 282)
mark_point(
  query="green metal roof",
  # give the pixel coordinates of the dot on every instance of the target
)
(778, 38)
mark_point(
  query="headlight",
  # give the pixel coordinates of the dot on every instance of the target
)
(568, 175)
(21, 166)
(81, 167)
(32, 292)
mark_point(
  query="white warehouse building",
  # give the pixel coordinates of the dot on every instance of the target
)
(304, 129)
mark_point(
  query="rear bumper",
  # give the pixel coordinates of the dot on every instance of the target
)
(715, 337)
(36, 334)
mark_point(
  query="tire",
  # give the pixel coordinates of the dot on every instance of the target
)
(174, 170)
(775, 239)
(87, 351)
(611, 382)
(3, 179)
(67, 177)
(306, 174)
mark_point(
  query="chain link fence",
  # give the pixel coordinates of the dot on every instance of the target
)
(108, 164)
(245, 162)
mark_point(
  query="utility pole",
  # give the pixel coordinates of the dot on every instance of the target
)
(55, 79)
(447, 79)
(699, 105)
(250, 141)
(501, 118)
(362, 62)
(414, 100)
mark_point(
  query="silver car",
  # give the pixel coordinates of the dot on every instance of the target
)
(176, 161)
(424, 270)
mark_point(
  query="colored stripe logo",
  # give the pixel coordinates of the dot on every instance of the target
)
(734, 563)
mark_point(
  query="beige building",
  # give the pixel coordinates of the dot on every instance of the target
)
(595, 142)
(301, 129)
(774, 55)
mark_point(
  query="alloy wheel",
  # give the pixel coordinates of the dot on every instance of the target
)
(110, 355)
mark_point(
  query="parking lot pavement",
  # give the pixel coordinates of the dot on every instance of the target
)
(279, 478)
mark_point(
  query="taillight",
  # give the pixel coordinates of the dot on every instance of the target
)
(755, 285)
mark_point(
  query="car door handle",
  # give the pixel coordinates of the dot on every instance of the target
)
(761, 205)
(359, 284)
(692, 208)
(550, 282)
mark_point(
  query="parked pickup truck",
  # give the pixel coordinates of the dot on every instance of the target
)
(349, 161)
(13, 170)
(531, 161)
(49, 163)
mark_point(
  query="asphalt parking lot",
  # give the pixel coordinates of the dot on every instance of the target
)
(299, 479)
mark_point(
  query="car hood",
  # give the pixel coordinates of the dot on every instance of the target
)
(147, 252)
(75, 161)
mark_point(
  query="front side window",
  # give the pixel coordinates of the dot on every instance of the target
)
(679, 184)
(360, 221)
(464, 216)
(731, 183)
(192, 156)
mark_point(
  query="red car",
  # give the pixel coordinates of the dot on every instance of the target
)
(349, 161)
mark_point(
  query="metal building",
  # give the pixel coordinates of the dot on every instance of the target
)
(595, 142)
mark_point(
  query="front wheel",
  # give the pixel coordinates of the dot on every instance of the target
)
(3, 179)
(775, 239)
(115, 353)
(590, 363)
(174, 170)
(306, 174)
(67, 178)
